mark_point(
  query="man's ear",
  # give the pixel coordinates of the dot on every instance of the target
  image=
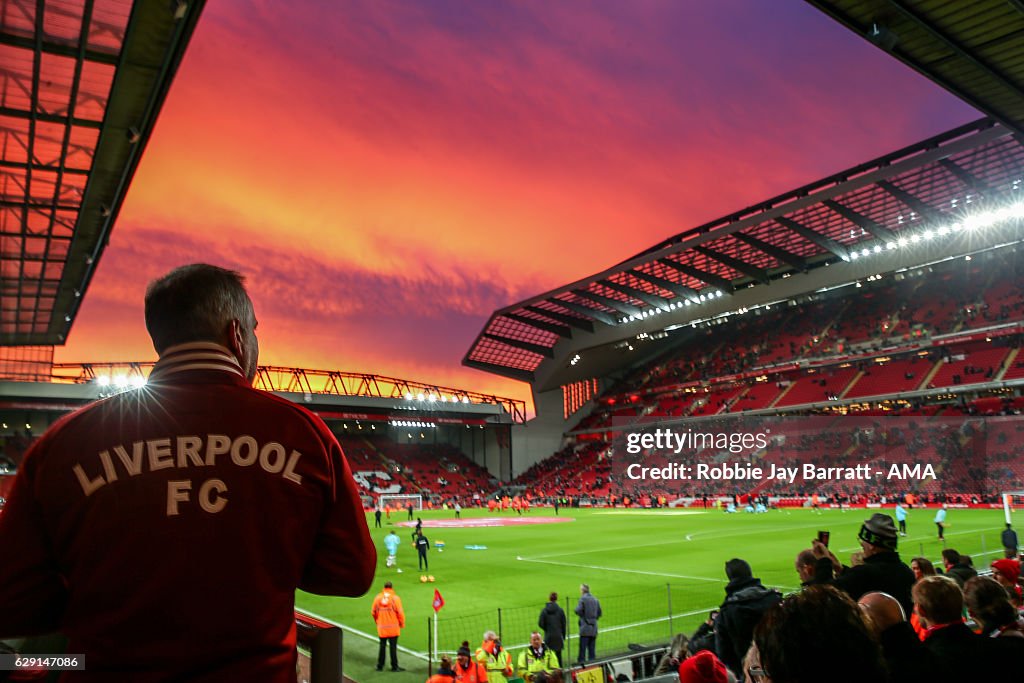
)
(236, 339)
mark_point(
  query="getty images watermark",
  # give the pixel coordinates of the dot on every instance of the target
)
(798, 453)
(668, 441)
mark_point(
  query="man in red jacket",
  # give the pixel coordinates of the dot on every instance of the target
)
(164, 530)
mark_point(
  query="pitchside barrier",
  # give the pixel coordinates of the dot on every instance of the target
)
(649, 617)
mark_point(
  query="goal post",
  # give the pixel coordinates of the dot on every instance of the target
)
(1012, 500)
(401, 502)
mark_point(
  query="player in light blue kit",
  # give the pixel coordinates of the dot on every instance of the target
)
(901, 518)
(940, 521)
(391, 542)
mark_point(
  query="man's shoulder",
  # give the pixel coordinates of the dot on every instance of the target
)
(270, 401)
(68, 425)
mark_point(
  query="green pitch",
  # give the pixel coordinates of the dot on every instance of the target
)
(655, 571)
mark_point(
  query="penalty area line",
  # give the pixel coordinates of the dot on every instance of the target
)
(717, 534)
(619, 569)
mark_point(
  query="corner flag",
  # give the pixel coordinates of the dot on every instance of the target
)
(438, 600)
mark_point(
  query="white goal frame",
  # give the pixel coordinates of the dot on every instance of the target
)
(1007, 508)
(393, 500)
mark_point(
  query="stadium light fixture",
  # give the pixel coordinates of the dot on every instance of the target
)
(420, 397)
(103, 380)
(408, 396)
(138, 381)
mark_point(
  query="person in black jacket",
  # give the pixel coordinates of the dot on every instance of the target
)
(745, 603)
(816, 635)
(958, 652)
(422, 546)
(1009, 539)
(957, 568)
(882, 569)
(905, 655)
(704, 637)
(552, 623)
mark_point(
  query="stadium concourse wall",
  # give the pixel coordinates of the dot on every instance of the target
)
(538, 438)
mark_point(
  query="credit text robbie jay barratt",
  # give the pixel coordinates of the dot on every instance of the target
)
(748, 472)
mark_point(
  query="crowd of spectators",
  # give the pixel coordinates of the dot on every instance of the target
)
(875, 620)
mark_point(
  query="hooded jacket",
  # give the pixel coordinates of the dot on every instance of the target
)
(745, 603)
(388, 613)
(552, 623)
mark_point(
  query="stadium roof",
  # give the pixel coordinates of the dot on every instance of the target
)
(973, 49)
(836, 220)
(317, 389)
(81, 85)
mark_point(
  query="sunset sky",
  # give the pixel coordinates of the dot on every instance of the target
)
(387, 174)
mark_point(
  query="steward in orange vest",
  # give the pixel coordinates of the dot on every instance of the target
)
(390, 618)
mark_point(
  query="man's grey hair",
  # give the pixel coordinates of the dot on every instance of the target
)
(585, 587)
(490, 635)
(195, 303)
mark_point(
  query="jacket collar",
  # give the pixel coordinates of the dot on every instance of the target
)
(205, 356)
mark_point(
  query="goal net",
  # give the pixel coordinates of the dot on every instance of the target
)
(401, 502)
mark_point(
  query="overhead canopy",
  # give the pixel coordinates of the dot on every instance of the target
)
(836, 219)
(81, 84)
(973, 48)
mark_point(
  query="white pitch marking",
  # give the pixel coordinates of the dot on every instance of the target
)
(656, 513)
(362, 634)
(627, 571)
(689, 537)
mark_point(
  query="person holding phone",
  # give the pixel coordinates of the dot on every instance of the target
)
(882, 570)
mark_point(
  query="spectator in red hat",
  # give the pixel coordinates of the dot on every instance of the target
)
(704, 667)
(1008, 572)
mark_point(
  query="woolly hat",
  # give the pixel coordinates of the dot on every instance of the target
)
(879, 531)
(1010, 569)
(464, 650)
(703, 667)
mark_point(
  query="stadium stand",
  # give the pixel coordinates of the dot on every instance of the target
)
(440, 472)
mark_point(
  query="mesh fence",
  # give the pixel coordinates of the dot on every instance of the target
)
(647, 617)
